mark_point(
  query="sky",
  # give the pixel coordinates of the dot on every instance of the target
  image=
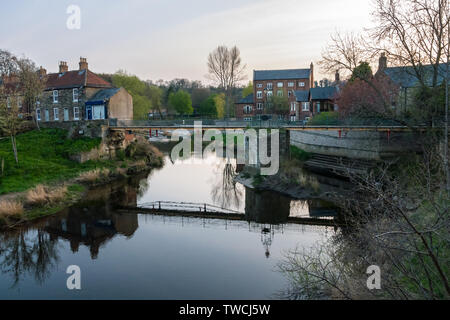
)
(167, 39)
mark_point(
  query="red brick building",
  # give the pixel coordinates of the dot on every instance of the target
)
(267, 83)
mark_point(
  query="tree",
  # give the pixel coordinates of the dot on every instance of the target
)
(138, 90)
(208, 108)
(226, 69)
(199, 95)
(278, 104)
(181, 102)
(248, 90)
(363, 72)
(10, 122)
(219, 102)
(155, 95)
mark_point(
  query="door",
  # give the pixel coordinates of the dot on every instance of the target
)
(89, 113)
(66, 114)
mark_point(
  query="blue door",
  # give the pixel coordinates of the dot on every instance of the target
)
(89, 112)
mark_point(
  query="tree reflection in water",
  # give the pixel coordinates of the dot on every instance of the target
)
(25, 252)
(225, 191)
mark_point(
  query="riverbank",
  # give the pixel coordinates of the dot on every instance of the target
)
(47, 180)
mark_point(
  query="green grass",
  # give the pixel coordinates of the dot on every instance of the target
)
(325, 119)
(43, 158)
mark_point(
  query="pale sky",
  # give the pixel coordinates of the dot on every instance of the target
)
(166, 39)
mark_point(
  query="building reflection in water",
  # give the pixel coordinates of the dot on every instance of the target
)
(94, 222)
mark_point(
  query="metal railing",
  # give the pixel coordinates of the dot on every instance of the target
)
(187, 207)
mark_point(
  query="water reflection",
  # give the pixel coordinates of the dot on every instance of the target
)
(24, 253)
(96, 227)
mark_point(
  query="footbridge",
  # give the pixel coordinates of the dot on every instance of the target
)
(209, 211)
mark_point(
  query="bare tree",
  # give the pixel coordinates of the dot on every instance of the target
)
(344, 53)
(225, 67)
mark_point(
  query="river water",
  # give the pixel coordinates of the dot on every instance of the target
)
(125, 254)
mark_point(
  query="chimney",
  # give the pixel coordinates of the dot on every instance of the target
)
(83, 64)
(337, 77)
(42, 72)
(63, 67)
(382, 64)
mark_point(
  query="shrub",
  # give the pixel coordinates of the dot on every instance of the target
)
(41, 195)
(10, 208)
(325, 119)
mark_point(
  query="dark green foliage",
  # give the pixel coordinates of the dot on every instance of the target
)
(362, 72)
(299, 154)
(208, 108)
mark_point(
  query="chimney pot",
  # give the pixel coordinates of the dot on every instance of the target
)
(382, 64)
(63, 67)
(83, 64)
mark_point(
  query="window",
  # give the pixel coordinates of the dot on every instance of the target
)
(301, 84)
(269, 93)
(280, 93)
(66, 114)
(305, 106)
(280, 84)
(259, 106)
(55, 96)
(293, 118)
(248, 109)
(270, 86)
(259, 85)
(55, 114)
(259, 94)
(76, 113)
(290, 84)
(318, 107)
(292, 106)
(38, 114)
(75, 95)
(247, 119)
(47, 115)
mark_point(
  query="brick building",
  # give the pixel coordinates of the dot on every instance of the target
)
(304, 97)
(81, 95)
(267, 83)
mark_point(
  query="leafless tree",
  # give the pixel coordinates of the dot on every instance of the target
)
(225, 67)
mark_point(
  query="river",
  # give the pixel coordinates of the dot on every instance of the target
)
(130, 255)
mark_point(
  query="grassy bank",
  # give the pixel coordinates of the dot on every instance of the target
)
(43, 158)
(45, 181)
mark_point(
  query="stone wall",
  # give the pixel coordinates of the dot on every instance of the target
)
(357, 144)
(82, 128)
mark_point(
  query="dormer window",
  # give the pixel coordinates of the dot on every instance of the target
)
(75, 95)
(55, 96)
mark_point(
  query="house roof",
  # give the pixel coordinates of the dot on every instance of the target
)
(302, 95)
(260, 75)
(74, 79)
(104, 94)
(406, 76)
(247, 99)
(101, 96)
(323, 93)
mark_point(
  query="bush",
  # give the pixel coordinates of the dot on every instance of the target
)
(10, 208)
(41, 195)
(325, 119)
